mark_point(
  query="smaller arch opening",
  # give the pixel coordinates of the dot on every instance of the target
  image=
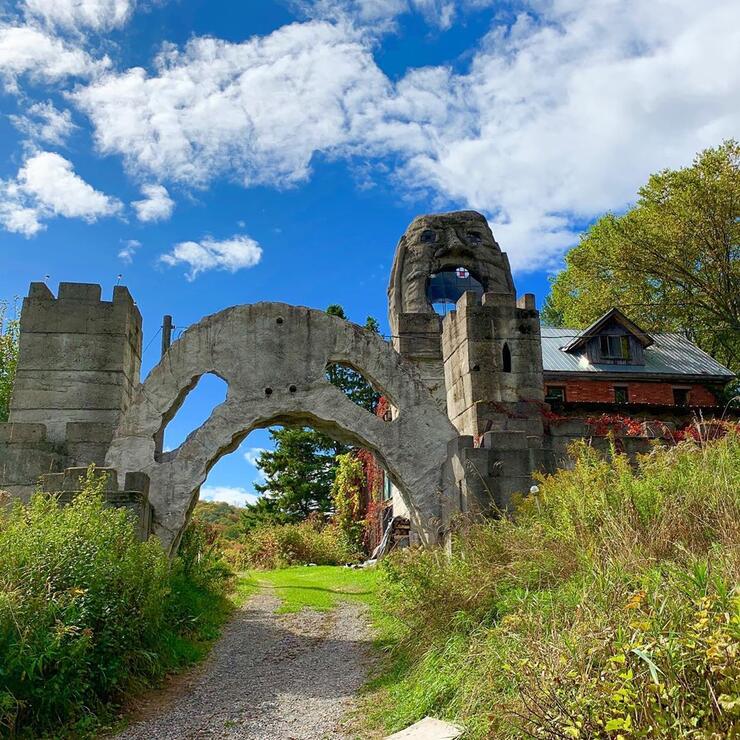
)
(190, 410)
(506, 358)
(354, 385)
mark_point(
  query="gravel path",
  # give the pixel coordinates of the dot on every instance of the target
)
(286, 676)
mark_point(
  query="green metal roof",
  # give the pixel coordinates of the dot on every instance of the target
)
(670, 354)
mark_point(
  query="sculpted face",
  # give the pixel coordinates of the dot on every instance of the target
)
(442, 242)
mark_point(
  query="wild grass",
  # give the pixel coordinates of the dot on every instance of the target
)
(606, 607)
(88, 613)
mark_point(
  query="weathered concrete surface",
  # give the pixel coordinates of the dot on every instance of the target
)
(428, 728)
(444, 241)
(274, 357)
(79, 357)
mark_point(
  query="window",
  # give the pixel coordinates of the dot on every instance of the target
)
(681, 396)
(615, 347)
(506, 358)
(621, 394)
(445, 288)
(555, 394)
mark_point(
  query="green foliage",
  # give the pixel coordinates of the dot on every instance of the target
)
(346, 494)
(280, 545)
(223, 518)
(9, 336)
(672, 262)
(608, 607)
(87, 611)
(299, 471)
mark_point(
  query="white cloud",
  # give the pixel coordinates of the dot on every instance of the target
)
(234, 496)
(156, 206)
(98, 15)
(46, 186)
(43, 122)
(232, 254)
(252, 457)
(559, 116)
(256, 111)
(127, 252)
(29, 50)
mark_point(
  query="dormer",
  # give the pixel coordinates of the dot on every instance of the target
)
(612, 339)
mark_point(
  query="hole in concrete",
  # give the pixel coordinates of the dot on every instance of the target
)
(191, 409)
(292, 389)
(268, 391)
(354, 385)
(476, 368)
(279, 320)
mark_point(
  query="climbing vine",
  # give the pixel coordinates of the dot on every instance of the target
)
(347, 491)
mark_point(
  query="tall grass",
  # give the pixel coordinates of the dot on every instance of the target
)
(608, 606)
(87, 612)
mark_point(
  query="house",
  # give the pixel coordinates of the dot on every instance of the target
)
(614, 365)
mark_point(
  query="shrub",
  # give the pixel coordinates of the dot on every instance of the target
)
(280, 545)
(607, 606)
(86, 610)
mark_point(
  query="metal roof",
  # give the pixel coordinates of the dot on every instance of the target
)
(671, 354)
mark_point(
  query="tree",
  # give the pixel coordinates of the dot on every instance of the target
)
(670, 262)
(9, 337)
(301, 468)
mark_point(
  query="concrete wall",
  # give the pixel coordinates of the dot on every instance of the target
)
(78, 365)
(79, 357)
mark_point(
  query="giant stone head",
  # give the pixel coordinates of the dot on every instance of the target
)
(437, 244)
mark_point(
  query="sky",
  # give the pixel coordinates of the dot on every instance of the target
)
(207, 153)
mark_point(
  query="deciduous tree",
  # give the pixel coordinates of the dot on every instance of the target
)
(671, 262)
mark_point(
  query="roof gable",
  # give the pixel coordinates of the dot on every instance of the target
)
(612, 316)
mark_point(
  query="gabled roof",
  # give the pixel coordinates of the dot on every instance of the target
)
(615, 315)
(668, 355)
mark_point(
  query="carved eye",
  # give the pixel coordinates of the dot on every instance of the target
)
(428, 236)
(474, 237)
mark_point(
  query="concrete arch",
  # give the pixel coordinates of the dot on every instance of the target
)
(273, 357)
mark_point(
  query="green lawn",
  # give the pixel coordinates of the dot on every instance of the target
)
(313, 587)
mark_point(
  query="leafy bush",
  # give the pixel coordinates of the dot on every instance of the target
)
(86, 611)
(607, 607)
(280, 545)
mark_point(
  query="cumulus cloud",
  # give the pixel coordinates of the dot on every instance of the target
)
(128, 250)
(232, 254)
(560, 114)
(43, 122)
(156, 205)
(98, 15)
(231, 495)
(252, 457)
(47, 186)
(32, 51)
(256, 111)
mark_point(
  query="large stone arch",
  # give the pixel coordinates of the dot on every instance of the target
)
(273, 357)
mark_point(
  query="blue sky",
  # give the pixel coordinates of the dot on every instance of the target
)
(224, 152)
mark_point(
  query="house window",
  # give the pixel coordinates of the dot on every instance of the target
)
(555, 394)
(681, 396)
(621, 394)
(615, 346)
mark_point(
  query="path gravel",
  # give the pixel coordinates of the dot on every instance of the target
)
(276, 676)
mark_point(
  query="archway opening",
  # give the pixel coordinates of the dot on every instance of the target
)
(446, 287)
(194, 405)
(506, 358)
(353, 384)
